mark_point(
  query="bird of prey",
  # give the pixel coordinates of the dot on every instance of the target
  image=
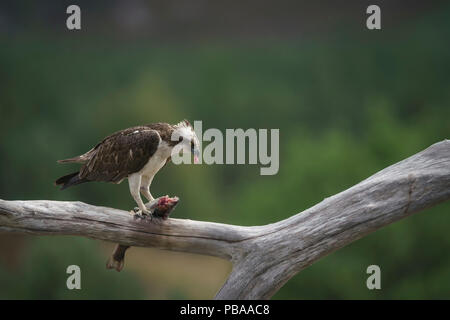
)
(136, 154)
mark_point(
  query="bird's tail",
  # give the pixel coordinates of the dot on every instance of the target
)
(69, 180)
(70, 160)
(79, 159)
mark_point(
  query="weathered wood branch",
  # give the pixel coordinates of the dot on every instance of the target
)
(263, 257)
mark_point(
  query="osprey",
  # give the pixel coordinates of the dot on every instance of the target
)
(136, 154)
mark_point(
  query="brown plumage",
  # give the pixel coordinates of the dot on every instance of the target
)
(118, 155)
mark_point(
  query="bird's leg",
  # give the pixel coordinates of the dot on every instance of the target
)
(145, 188)
(152, 204)
(134, 181)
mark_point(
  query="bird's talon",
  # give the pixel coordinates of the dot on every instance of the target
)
(140, 213)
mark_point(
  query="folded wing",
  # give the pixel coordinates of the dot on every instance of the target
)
(120, 154)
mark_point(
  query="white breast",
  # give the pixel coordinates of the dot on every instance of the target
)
(157, 161)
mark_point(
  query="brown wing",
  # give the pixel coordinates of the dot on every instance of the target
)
(121, 154)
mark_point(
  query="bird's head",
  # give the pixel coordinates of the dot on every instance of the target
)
(188, 139)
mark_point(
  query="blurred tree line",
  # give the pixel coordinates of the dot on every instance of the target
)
(346, 106)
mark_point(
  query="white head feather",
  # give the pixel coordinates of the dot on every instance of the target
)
(184, 130)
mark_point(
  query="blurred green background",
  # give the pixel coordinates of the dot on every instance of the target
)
(348, 102)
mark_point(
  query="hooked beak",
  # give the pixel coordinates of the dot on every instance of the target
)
(196, 154)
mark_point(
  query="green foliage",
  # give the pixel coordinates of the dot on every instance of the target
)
(345, 109)
(42, 273)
